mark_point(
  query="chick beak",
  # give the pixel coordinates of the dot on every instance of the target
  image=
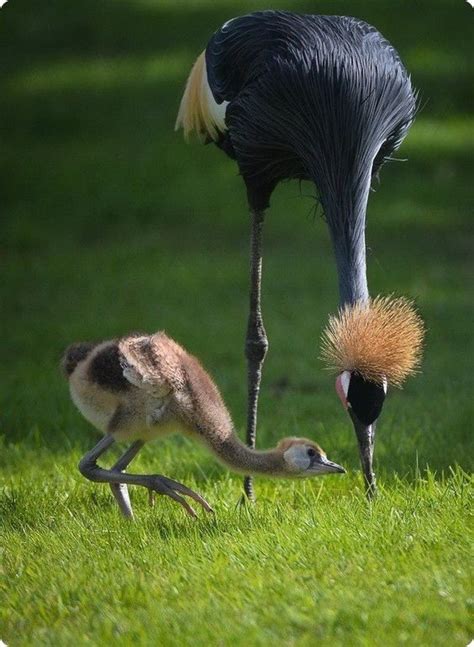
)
(366, 439)
(322, 465)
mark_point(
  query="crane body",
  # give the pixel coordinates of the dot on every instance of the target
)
(306, 97)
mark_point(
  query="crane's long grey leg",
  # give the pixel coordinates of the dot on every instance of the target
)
(120, 490)
(156, 482)
(256, 342)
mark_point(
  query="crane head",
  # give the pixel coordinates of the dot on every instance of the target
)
(371, 344)
(303, 457)
(361, 397)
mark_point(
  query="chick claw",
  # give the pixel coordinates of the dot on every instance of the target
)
(168, 487)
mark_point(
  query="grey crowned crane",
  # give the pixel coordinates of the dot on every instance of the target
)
(325, 99)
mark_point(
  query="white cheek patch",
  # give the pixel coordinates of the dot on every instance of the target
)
(296, 458)
(342, 386)
(345, 381)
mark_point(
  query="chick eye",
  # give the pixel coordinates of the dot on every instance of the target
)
(311, 452)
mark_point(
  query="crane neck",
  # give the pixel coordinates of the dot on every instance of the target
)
(202, 412)
(231, 451)
(345, 210)
(351, 270)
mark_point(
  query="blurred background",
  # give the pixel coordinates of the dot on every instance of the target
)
(111, 223)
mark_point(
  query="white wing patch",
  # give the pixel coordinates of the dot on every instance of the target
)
(216, 111)
(199, 112)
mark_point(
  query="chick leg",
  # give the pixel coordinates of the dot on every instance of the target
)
(120, 490)
(155, 482)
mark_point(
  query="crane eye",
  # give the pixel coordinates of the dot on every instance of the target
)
(311, 452)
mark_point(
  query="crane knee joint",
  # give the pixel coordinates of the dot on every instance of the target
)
(256, 349)
(87, 468)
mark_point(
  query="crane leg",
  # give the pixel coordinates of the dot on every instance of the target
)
(120, 490)
(155, 482)
(256, 343)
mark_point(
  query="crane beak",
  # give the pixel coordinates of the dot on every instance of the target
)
(366, 439)
(324, 466)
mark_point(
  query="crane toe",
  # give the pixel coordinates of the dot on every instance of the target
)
(169, 487)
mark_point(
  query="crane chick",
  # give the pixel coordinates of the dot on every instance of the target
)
(140, 387)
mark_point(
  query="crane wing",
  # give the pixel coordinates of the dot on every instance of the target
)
(271, 76)
(151, 363)
(242, 48)
(236, 53)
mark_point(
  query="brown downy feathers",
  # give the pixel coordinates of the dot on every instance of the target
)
(154, 362)
(379, 339)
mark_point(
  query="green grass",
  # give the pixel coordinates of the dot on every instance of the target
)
(111, 223)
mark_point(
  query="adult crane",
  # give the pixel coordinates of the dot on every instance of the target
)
(325, 99)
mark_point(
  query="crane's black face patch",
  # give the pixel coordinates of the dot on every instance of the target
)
(106, 371)
(366, 399)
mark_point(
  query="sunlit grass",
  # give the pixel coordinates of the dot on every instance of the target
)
(296, 569)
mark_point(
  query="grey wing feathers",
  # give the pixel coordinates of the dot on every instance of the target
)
(240, 50)
(236, 53)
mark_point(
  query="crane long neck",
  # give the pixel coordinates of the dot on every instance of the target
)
(345, 211)
(204, 413)
(231, 451)
(348, 239)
